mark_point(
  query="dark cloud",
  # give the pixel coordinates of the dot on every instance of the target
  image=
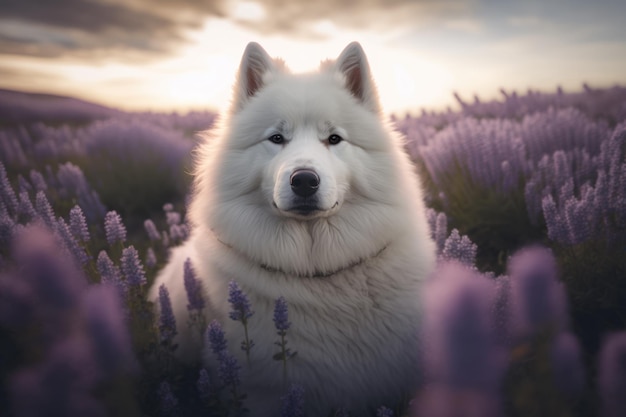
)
(82, 27)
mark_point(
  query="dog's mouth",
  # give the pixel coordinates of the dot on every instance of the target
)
(305, 210)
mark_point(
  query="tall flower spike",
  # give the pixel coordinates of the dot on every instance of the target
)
(132, 268)
(167, 321)
(151, 259)
(72, 246)
(78, 224)
(567, 366)
(193, 287)
(204, 385)
(167, 400)
(7, 194)
(281, 318)
(241, 309)
(151, 230)
(293, 402)
(228, 369)
(114, 228)
(109, 273)
(44, 210)
(217, 339)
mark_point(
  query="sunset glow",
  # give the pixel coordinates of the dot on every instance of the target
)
(416, 63)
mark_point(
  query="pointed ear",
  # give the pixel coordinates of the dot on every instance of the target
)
(352, 65)
(254, 67)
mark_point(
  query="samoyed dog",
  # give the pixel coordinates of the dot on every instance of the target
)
(305, 192)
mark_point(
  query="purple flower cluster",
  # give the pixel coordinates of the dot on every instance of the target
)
(293, 402)
(114, 228)
(612, 375)
(241, 309)
(167, 321)
(131, 267)
(193, 287)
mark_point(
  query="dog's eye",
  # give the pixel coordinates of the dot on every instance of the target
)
(277, 138)
(334, 139)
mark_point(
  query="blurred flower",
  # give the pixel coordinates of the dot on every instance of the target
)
(168, 402)
(78, 224)
(38, 181)
(228, 369)
(7, 194)
(612, 375)
(44, 210)
(384, 412)
(167, 321)
(106, 327)
(151, 229)
(151, 259)
(293, 402)
(114, 228)
(193, 287)
(567, 366)
(204, 385)
(109, 273)
(26, 208)
(132, 268)
(537, 297)
(70, 242)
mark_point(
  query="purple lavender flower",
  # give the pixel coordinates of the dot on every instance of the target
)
(384, 412)
(167, 400)
(38, 181)
(460, 346)
(151, 259)
(241, 311)
(441, 231)
(293, 402)
(204, 385)
(56, 284)
(538, 299)
(7, 229)
(228, 369)
(72, 246)
(172, 217)
(61, 385)
(44, 210)
(23, 186)
(109, 273)
(567, 367)
(78, 224)
(132, 268)
(7, 194)
(106, 327)
(459, 248)
(193, 287)
(167, 207)
(114, 228)
(281, 319)
(25, 207)
(167, 321)
(239, 302)
(217, 339)
(151, 229)
(612, 375)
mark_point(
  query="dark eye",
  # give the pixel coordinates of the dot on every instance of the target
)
(277, 138)
(334, 139)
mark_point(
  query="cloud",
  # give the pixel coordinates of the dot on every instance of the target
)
(88, 27)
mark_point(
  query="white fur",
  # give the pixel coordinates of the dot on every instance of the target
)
(351, 272)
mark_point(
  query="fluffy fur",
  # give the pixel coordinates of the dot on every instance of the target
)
(350, 267)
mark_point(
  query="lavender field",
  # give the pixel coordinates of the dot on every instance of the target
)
(525, 315)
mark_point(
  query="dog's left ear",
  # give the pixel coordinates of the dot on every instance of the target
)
(255, 66)
(352, 64)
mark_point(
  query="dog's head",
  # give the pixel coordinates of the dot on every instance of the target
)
(307, 137)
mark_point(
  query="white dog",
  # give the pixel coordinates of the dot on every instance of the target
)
(305, 192)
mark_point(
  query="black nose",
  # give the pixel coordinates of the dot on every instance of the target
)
(304, 182)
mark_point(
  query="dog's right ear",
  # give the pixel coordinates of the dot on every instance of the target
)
(255, 66)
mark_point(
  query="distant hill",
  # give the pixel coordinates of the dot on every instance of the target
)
(20, 107)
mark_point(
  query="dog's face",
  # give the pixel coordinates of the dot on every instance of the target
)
(302, 134)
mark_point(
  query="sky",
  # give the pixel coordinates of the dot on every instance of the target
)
(181, 55)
